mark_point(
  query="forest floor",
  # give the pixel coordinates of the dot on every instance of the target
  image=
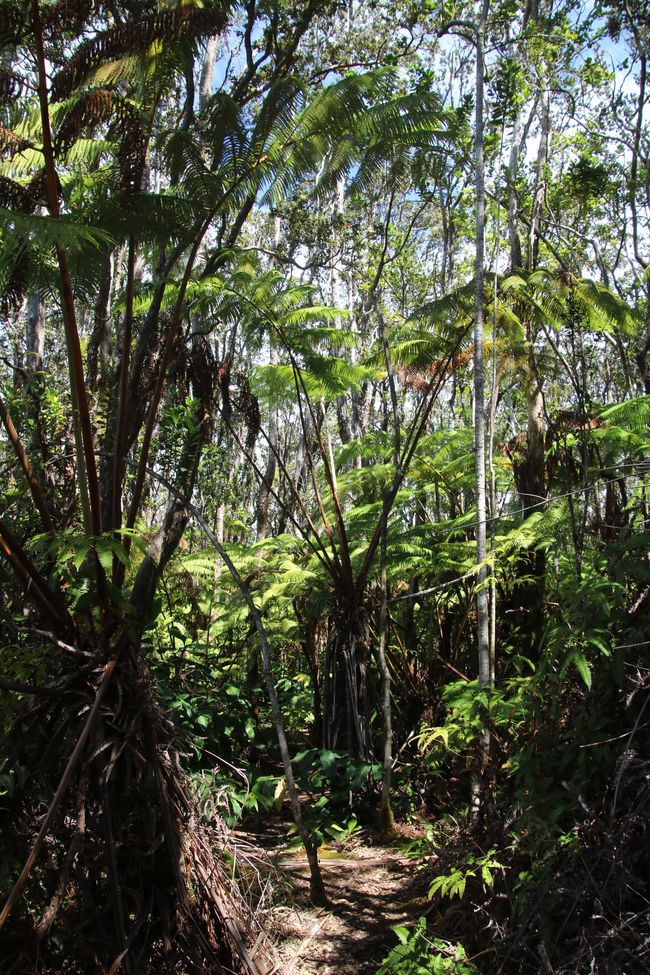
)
(371, 887)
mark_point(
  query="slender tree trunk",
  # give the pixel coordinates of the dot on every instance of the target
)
(271, 464)
(35, 334)
(312, 649)
(207, 70)
(479, 378)
(386, 818)
(98, 353)
(644, 348)
(482, 612)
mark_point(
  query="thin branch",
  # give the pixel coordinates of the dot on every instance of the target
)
(317, 547)
(36, 586)
(428, 592)
(414, 435)
(34, 486)
(123, 395)
(165, 361)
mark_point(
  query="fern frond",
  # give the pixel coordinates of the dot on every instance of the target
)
(48, 232)
(454, 306)
(93, 107)
(276, 120)
(321, 313)
(605, 309)
(134, 37)
(632, 413)
(14, 275)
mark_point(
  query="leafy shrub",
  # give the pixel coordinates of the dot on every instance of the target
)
(418, 955)
(338, 778)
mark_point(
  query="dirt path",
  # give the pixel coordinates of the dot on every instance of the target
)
(371, 889)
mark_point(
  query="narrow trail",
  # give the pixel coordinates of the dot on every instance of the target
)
(371, 888)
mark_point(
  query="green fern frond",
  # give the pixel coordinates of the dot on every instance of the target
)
(47, 232)
(134, 37)
(632, 415)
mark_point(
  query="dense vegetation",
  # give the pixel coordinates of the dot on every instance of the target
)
(325, 392)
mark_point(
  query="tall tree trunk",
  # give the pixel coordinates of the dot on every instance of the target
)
(207, 70)
(271, 464)
(346, 714)
(479, 377)
(98, 353)
(482, 611)
(530, 477)
(35, 334)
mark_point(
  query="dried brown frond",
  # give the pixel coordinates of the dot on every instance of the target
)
(37, 188)
(133, 38)
(412, 380)
(14, 289)
(567, 421)
(180, 372)
(16, 196)
(11, 144)
(132, 154)
(250, 407)
(222, 377)
(68, 17)
(13, 17)
(419, 380)
(92, 109)
(515, 448)
(105, 106)
(567, 279)
(12, 86)
(202, 370)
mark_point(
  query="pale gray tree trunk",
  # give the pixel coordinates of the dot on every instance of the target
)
(479, 378)
(207, 70)
(35, 334)
(482, 610)
(271, 464)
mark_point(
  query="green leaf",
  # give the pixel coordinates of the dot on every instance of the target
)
(582, 666)
(402, 933)
(328, 761)
(80, 555)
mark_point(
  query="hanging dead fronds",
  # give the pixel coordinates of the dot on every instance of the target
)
(13, 17)
(222, 377)
(106, 106)
(68, 17)
(202, 368)
(419, 380)
(250, 409)
(134, 38)
(12, 86)
(154, 894)
(132, 155)
(93, 108)
(13, 290)
(11, 144)
(16, 196)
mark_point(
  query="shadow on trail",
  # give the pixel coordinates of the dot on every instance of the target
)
(369, 895)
